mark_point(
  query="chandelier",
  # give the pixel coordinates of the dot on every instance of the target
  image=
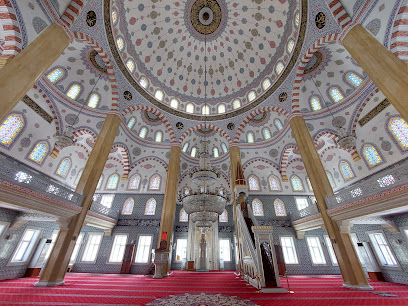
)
(65, 139)
(346, 141)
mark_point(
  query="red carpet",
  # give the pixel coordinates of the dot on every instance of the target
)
(183, 288)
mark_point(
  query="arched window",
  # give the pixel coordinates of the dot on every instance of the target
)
(250, 137)
(183, 216)
(279, 68)
(266, 133)
(113, 181)
(154, 183)
(257, 208)
(221, 108)
(330, 178)
(279, 206)
(190, 108)
(266, 83)
(315, 103)
(251, 96)
(274, 183)
(291, 45)
(215, 152)
(309, 184)
(296, 183)
(55, 75)
(336, 94)
(150, 209)
(74, 91)
(174, 103)
(297, 19)
(130, 65)
(185, 147)
(278, 124)
(10, 128)
(143, 82)
(158, 137)
(39, 152)
(346, 170)
(236, 104)
(253, 183)
(143, 132)
(120, 43)
(371, 155)
(131, 123)
(134, 182)
(354, 79)
(78, 177)
(99, 183)
(128, 206)
(93, 101)
(64, 167)
(114, 16)
(224, 216)
(224, 148)
(205, 110)
(399, 129)
(159, 95)
(193, 152)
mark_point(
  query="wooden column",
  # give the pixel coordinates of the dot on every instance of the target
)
(54, 270)
(22, 72)
(170, 196)
(386, 70)
(349, 264)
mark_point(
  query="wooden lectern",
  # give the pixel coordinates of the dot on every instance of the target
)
(128, 259)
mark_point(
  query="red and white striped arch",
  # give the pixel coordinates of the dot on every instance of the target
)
(207, 125)
(125, 158)
(13, 39)
(399, 37)
(284, 161)
(72, 12)
(338, 11)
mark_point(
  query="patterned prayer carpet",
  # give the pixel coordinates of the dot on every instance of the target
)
(193, 288)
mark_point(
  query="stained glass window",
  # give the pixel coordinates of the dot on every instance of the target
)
(250, 137)
(185, 147)
(193, 152)
(296, 183)
(274, 183)
(130, 65)
(266, 84)
(183, 216)
(251, 96)
(55, 75)
(257, 207)
(190, 108)
(336, 95)
(99, 182)
(278, 124)
(134, 182)
(128, 206)
(346, 171)
(399, 128)
(64, 167)
(224, 216)
(224, 147)
(266, 133)
(309, 184)
(78, 177)
(371, 155)
(158, 137)
(155, 182)
(143, 82)
(143, 132)
(215, 152)
(253, 183)
(221, 108)
(205, 110)
(236, 104)
(174, 103)
(120, 43)
(93, 101)
(131, 123)
(297, 19)
(10, 128)
(291, 45)
(39, 152)
(74, 91)
(354, 79)
(150, 209)
(330, 178)
(279, 206)
(114, 16)
(113, 181)
(315, 102)
(159, 95)
(279, 68)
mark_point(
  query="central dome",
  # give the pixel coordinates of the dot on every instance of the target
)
(164, 47)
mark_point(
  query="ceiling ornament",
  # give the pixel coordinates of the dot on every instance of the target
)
(346, 141)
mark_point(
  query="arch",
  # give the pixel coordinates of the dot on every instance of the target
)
(274, 183)
(266, 133)
(300, 70)
(79, 131)
(372, 155)
(128, 205)
(353, 79)
(223, 217)
(131, 122)
(279, 206)
(39, 152)
(78, 177)
(11, 128)
(150, 209)
(112, 182)
(64, 167)
(149, 158)
(13, 38)
(255, 113)
(346, 170)
(74, 91)
(257, 207)
(114, 108)
(183, 217)
(253, 182)
(259, 159)
(124, 151)
(156, 112)
(336, 94)
(398, 130)
(207, 125)
(250, 137)
(154, 182)
(399, 34)
(99, 182)
(134, 182)
(330, 178)
(284, 160)
(296, 183)
(338, 11)
(72, 12)
(309, 184)
(158, 136)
